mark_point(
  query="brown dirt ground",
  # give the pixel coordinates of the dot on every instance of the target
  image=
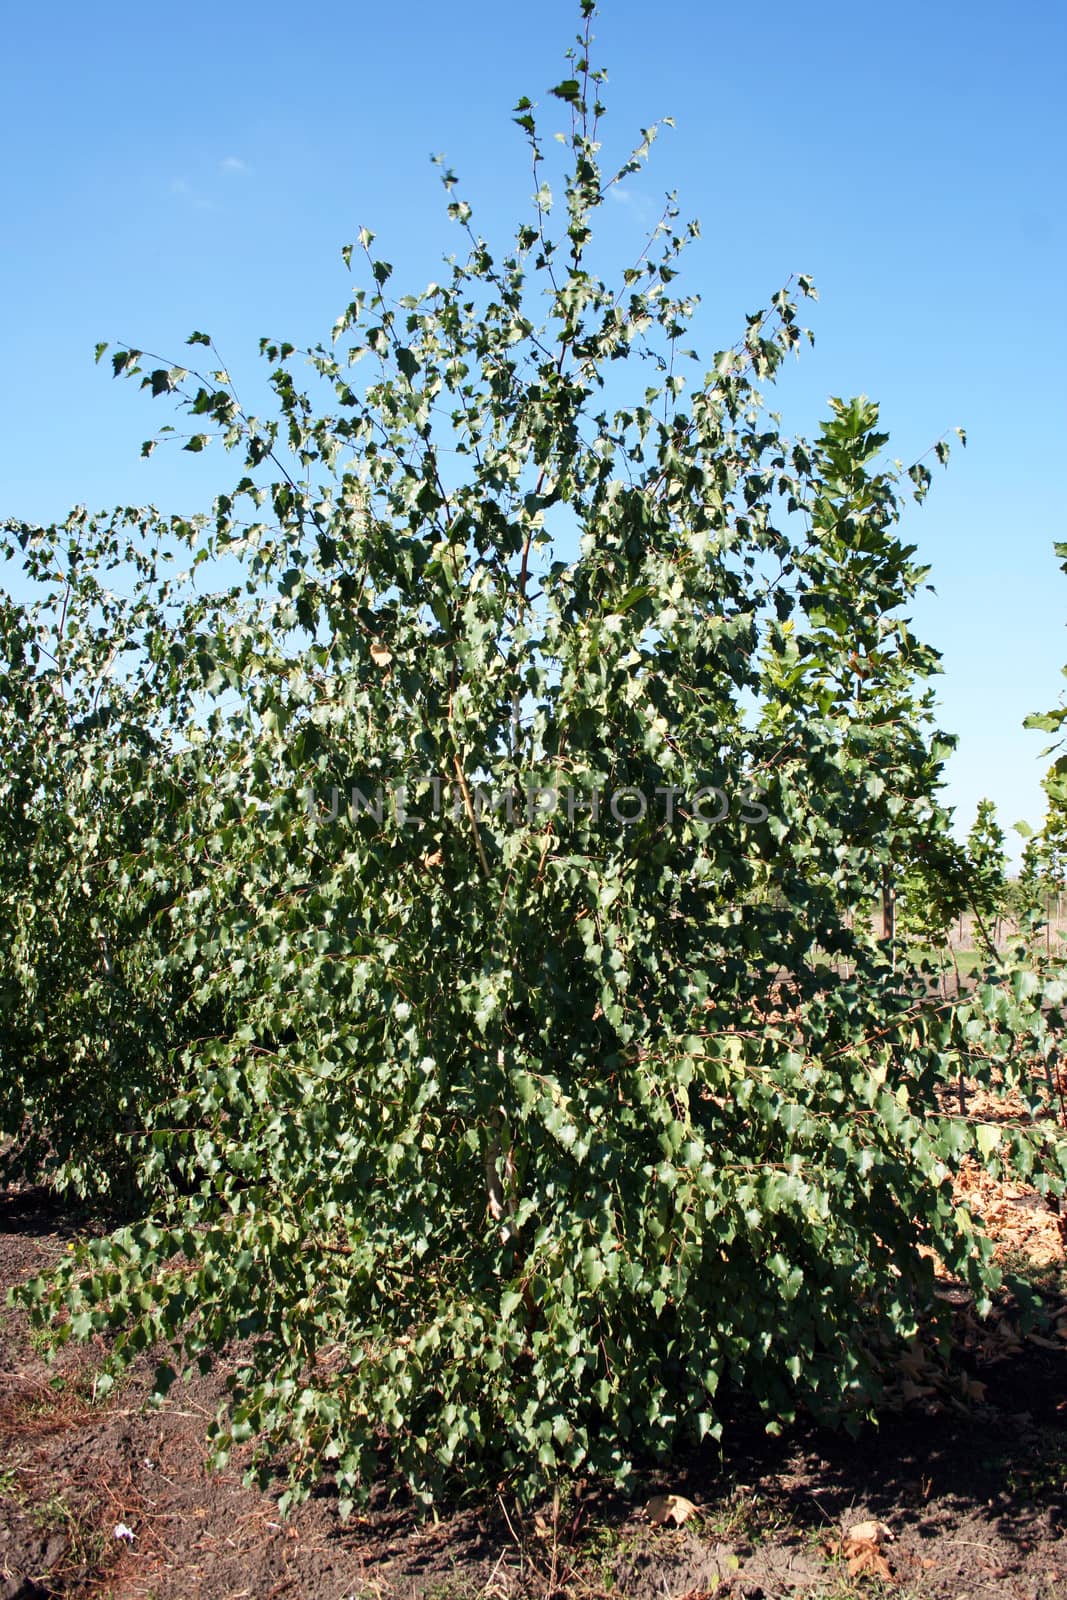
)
(967, 1473)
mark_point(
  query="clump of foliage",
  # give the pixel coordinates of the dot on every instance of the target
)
(986, 868)
(1043, 872)
(932, 892)
(946, 879)
(516, 1119)
(90, 1004)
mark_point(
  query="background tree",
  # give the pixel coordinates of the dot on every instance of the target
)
(933, 894)
(1053, 846)
(986, 864)
(88, 1017)
(872, 748)
(1045, 857)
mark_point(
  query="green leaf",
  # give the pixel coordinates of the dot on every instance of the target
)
(987, 1137)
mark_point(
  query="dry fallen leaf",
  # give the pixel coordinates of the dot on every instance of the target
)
(865, 1560)
(381, 655)
(867, 1533)
(434, 859)
(1043, 1343)
(973, 1388)
(916, 1363)
(670, 1508)
(860, 1547)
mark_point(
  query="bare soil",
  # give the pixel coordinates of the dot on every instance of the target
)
(966, 1474)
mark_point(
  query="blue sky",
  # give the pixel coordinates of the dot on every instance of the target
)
(201, 166)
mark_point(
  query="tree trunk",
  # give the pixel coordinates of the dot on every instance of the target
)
(888, 919)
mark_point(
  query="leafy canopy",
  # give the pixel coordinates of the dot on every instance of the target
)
(513, 1109)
